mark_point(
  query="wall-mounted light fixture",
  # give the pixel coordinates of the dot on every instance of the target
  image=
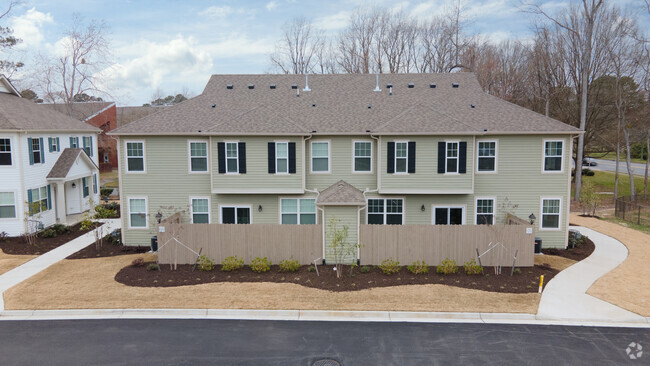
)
(422, 208)
(159, 217)
(74, 185)
(259, 208)
(532, 218)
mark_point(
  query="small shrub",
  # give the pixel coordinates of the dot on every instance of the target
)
(311, 269)
(138, 262)
(365, 269)
(289, 265)
(86, 224)
(48, 233)
(102, 212)
(471, 268)
(517, 271)
(447, 267)
(205, 263)
(232, 263)
(545, 266)
(260, 265)
(115, 237)
(105, 192)
(4, 235)
(389, 266)
(588, 172)
(418, 267)
(152, 267)
(60, 228)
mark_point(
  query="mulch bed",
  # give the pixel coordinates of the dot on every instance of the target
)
(525, 282)
(107, 250)
(578, 253)
(19, 245)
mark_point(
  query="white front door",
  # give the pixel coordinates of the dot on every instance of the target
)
(73, 197)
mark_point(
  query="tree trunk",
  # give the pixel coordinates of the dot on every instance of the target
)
(618, 157)
(626, 133)
(647, 160)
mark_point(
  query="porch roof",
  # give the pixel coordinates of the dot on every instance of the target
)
(343, 194)
(66, 161)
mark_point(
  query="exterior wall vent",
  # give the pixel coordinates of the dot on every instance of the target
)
(454, 85)
(411, 85)
(229, 86)
(432, 85)
(272, 86)
(472, 105)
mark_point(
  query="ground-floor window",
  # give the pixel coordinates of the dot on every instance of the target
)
(38, 200)
(485, 211)
(84, 184)
(235, 215)
(551, 213)
(300, 211)
(449, 215)
(385, 211)
(138, 212)
(200, 210)
(7, 205)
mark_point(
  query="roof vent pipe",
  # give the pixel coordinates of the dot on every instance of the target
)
(390, 92)
(377, 87)
(306, 83)
(297, 92)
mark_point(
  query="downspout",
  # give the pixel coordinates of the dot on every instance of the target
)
(322, 218)
(304, 162)
(21, 169)
(474, 163)
(378, 160)
(568, 193)
(123, 200)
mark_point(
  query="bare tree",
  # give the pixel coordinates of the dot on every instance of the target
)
(7, 41)
(298, 50)
(356, 44)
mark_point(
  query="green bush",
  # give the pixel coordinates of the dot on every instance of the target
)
(138, 262)
(447, 267)
(389, 266)
(418, 267)
(365, 269)
(311, 269)
(102, 212)
(289, 265)
(86, 224)
(205, 263)
(232, 263)
(48, 233)
(105, 192)
(588, 172)
(260, 265)
(152, 267)
(517, 271)
(60, 228)
(471, 268)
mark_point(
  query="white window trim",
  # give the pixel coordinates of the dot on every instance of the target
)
(298, 213)
(87, 185)
(15, 208)
(371, 171)
(192, 208)
(189, 157)
(407, 158)
(541, 213)
(386, 198)
(11, 152)
(494, 207)
(144, 157)
(221, 207)
(276, 157)
(544, 171)
(433, 212)
(496, 156)
(39, 150)
(225, 151)
(329, 157)
(90, 145)
(38, 188)
(55, 146)
(76, 142)
(146, 213)
(457, 156)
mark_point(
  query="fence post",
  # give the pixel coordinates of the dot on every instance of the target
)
(638, 217)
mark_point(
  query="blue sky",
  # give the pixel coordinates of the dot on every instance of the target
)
(177, 45)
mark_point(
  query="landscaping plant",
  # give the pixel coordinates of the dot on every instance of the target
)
(418, 267)
(205, 263)
(289, 265)
(311, 269)
(365, 269)
(471, 268)
(340, 246)
(389, 266)
(447, 267)
(48, 233)
(153, 267)
(232, 263)
(260, 265)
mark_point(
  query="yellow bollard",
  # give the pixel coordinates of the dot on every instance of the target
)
(541, 283)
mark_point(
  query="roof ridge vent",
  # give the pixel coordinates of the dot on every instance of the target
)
(229, 86)
(454, 85)
(306, 88)
(411, 85)
(251, 86)
(377, 87)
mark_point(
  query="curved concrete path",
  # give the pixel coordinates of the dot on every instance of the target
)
(565, 296)
(28, 269)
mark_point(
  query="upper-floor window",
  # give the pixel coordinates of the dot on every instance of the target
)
(198, 156)
(298, 211)
(135, 156)
(7, 205)
(320, 156)
(362, 156)
(487, 156)
(74, 142)
(88, 145)
(452, 157)
(38, 200)
(232, 164)
(36, 152)
(553, 155)
(485, 211)
(401, 157)
(137, 212)
(232, 157)
(281, 157)
(53, 143)
(200, 210)
(5, 151)
(385, 211)
(551, 213)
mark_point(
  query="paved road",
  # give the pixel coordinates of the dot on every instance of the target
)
(610, 166)
(237, 342)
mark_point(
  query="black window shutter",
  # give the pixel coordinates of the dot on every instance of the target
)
(411, 160)
(271, 157)
(242, 157)
(462, 157)
(390, 158)
(221, 151)
(442, 147)
(292, 158)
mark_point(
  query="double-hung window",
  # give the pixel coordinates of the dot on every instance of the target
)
(53, 143)
(282, 157)
(487, 156)
(485, 211)
(320, 157)
(362, 156)
(551, 213)
(5, 151)
(135, 156)
(385, 211)
(137, 212)
(86, 188)
(300, 211)
(7, 205)
(452, 157)
(553, 155)
(74, 142)
(36, 151)
(38, 200)
(88, 145)
(200, 210)
(401, 157)
(453, 215)
(232, 158)
(198, 156)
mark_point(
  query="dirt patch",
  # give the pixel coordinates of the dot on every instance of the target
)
(107, 250)
(556, 262)
(18, 244)
(525, 282)
(90, 284)
(9, 262)
(577, 254)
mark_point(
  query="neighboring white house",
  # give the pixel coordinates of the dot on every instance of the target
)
(45, 157)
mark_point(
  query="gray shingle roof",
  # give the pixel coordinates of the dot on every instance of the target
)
(64, 163)
(81, 110)
(20, 114)
(345, 104)
(341, 193)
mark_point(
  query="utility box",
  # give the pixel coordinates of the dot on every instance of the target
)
(154, 244)
(538, 245)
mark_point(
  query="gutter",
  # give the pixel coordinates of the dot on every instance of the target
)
(378, 160)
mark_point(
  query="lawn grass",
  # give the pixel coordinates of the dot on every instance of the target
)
(604, 183)
(612, 156)
(642, 228)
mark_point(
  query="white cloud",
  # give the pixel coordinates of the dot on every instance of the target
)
(400, 6)
(28, 27)
(217, 11)
(271, 5)
(333, 22)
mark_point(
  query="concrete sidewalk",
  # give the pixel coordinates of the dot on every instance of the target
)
(26, 270)
(565, 297)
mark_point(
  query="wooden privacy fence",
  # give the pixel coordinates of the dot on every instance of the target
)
(218, 241)
(434, 243)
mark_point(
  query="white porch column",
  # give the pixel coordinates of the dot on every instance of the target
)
(60, 203)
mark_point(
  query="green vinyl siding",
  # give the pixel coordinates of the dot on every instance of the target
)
(348, 217)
